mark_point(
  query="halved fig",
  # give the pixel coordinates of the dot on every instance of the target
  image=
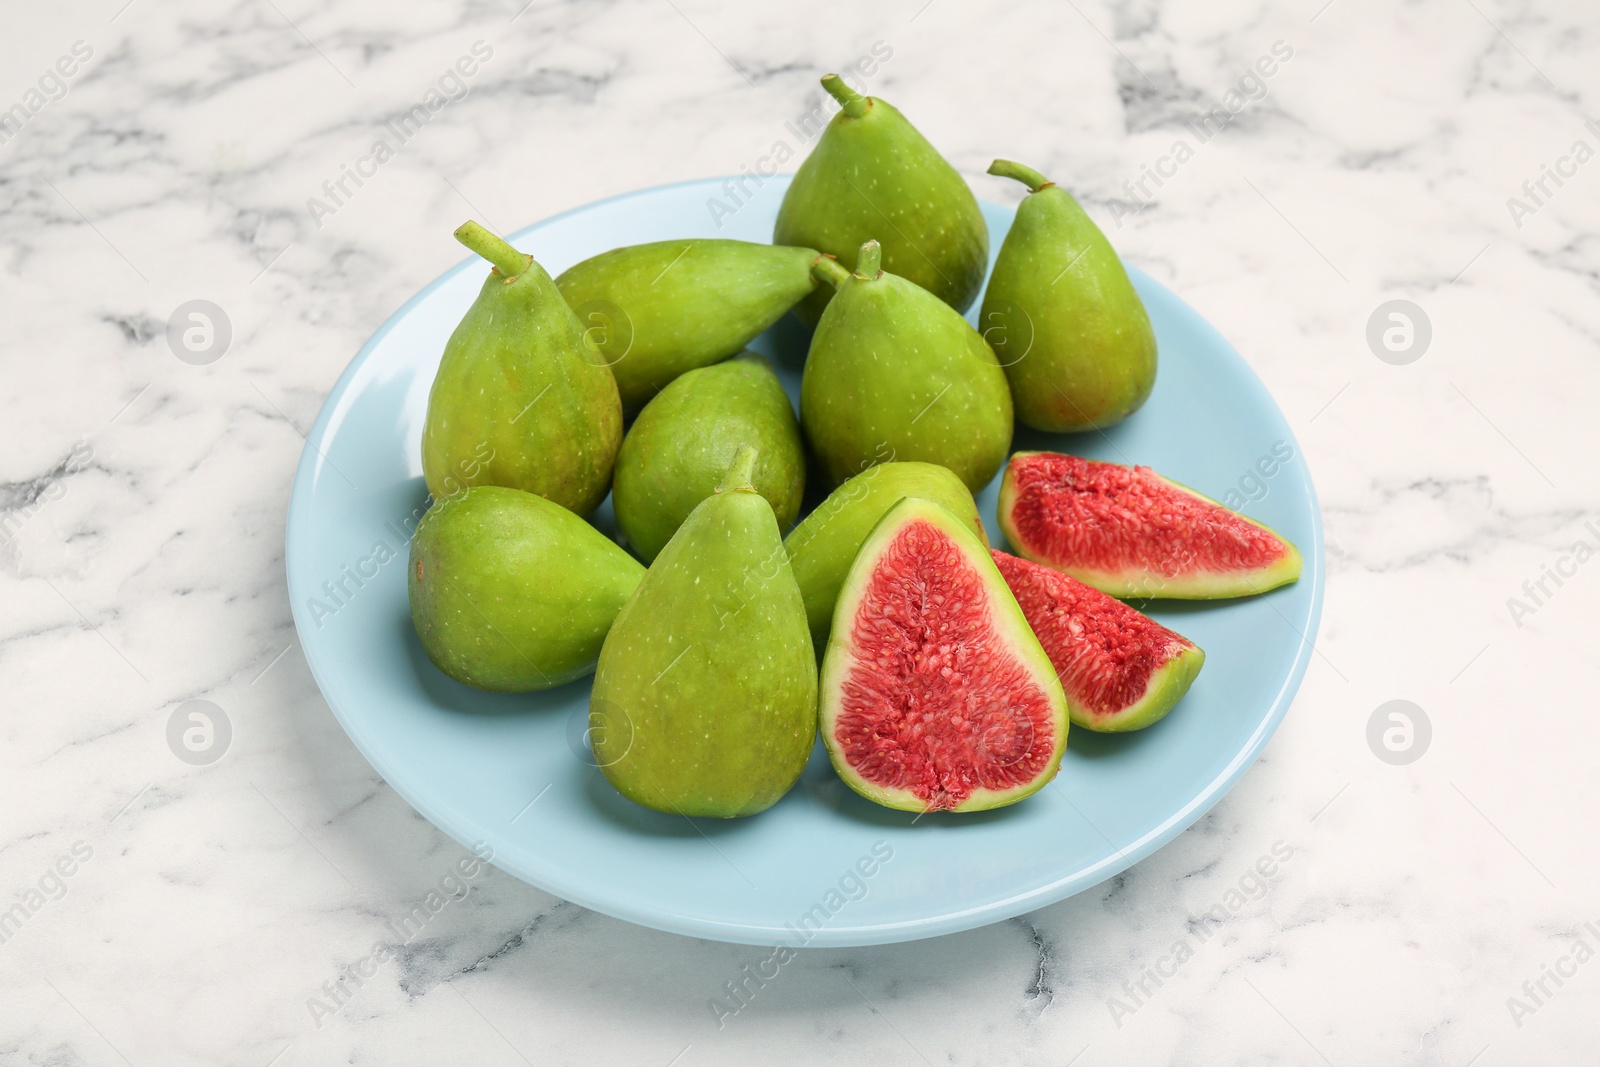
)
(1129, 532)
(935, 695)
(1121, 669)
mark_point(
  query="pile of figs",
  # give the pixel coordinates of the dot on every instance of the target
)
(941, 674)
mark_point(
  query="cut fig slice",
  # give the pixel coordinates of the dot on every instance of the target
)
(935, 694)
(1121, 670)
(1129, 532)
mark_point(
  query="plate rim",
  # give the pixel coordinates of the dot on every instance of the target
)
(833, 935)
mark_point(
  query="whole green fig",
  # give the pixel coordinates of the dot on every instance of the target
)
(873, 175)
(657, 310)
(705, 699)
(1062, 316)
(521, 399)
(681, 444)
(895, 373)
(512, 592)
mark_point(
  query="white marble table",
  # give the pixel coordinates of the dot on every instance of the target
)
(1435, 912)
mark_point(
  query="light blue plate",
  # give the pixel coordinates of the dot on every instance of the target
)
(824, 866)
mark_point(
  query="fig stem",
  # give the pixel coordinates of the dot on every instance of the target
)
(869, 260)
(492, 247)
(1005, 168)
(855, 105)
(827, 269)
(741, 472)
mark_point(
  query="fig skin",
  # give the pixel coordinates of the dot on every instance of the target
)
(512, 592)
(894, 373)
(1063, 317)
(520, 398)
(684, 440)
(872, 174)
(705, 697)
(655, 311)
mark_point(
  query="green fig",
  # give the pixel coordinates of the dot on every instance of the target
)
(657, 310)
(823, 546)
(873, 175)
(705, 699)
(512, 592)
(680, 446)
(521, 399)
(1062, 316)
(895, 373)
